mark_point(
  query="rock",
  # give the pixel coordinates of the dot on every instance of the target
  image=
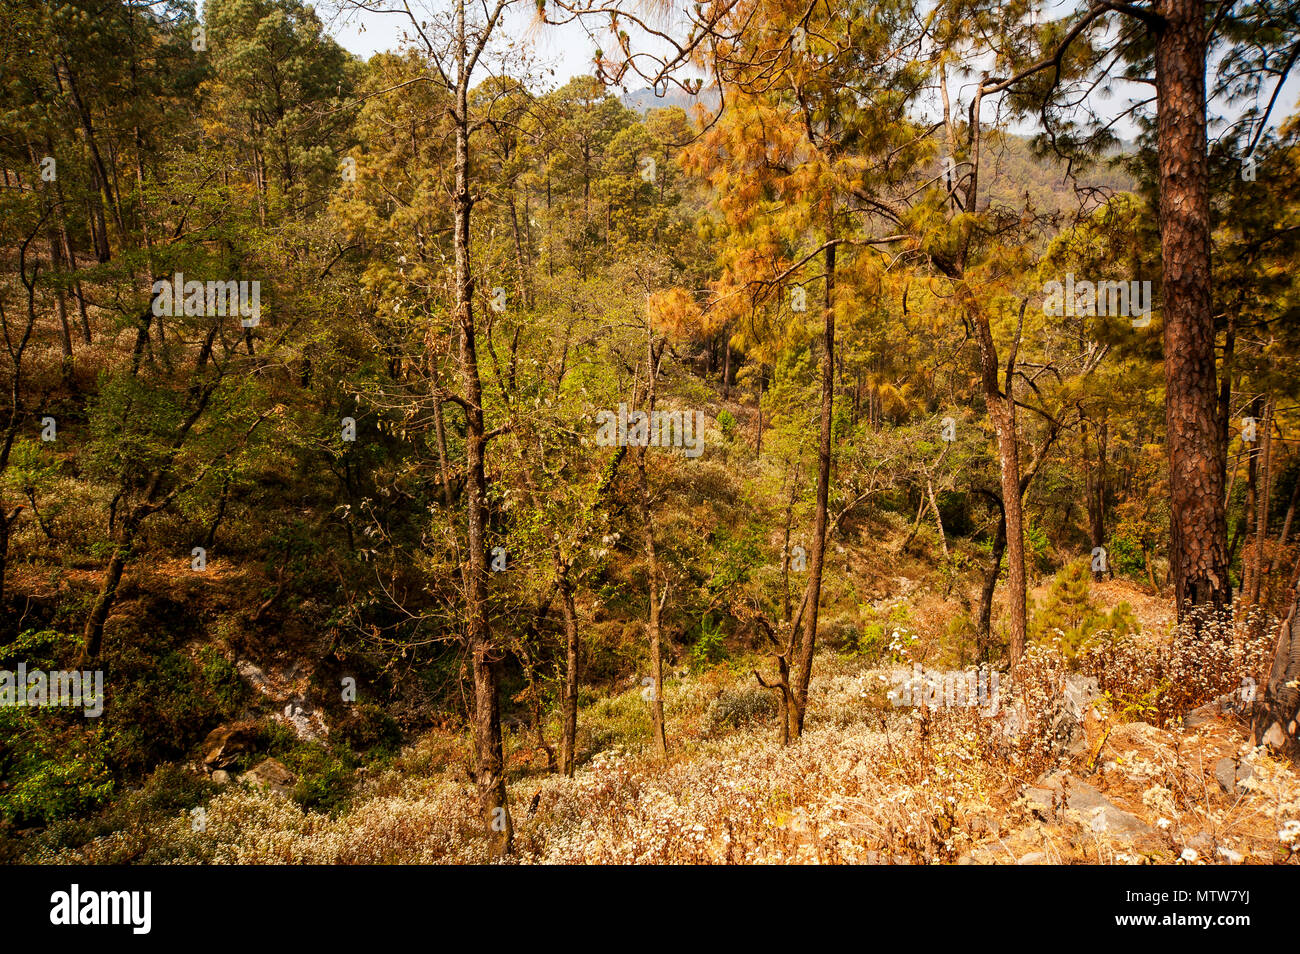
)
(1032, 858)
(221, 777)
(306, 721)
(254, 674)
(1080, 693)
(270, 774)
(1060, 789)
(225, 743)
(1076, 702)
(1231, 773)
(1066, 719)
(1228, 704)
(1275, 738)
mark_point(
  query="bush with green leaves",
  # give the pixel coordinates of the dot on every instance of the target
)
(53, 764)
(726, 422)
(709, 647)
(1070, 615)
(325, 776)
(368, 729)
(223, 682)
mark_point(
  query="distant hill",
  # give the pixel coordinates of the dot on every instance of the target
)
(644, 100)
(1009, 169)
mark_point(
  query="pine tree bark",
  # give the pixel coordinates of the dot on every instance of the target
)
(1197, 552)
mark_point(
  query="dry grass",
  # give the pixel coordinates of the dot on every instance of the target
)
(867, 783)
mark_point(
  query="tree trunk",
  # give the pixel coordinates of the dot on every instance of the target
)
(984, 632)
(93, 636)
(1276, 716)
(938, 520)
(60, 297)
(489, 750)
(1197, 548)
(658, 732)
(726, 363)
(808, 644)
(1002, 411)
(6, 524)
(569, 711)
(1263, 493)
(1095, 481)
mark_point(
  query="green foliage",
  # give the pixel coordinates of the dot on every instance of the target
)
(1037, 546)
(709, 647)
(1125, 555)
(1070, 615)
(369, 730)
(726, 422)
(222, 681)
(871, 642)
(160, 706)
(820, 177)
(325, 775)
(39, 649)
(53, 765)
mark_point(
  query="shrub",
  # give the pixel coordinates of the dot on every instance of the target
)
(739, 707)
(325, 776)
(1201, 663)
(222, 681)
(1038, 546)
(708, 648)
(1070, 615)
(50, 768)
(370, 730)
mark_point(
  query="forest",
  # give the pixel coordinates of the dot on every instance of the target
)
(816, 431)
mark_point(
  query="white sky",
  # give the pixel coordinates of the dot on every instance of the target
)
(566, 49)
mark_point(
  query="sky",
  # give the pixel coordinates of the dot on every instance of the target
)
(566, 49)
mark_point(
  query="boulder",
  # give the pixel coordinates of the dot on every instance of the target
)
(1231, 773)
(1239, 703)
(1066, 719)
(1076, 701)
(270, 774)
(1060, 790)
(225, 743)
(306, 721)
